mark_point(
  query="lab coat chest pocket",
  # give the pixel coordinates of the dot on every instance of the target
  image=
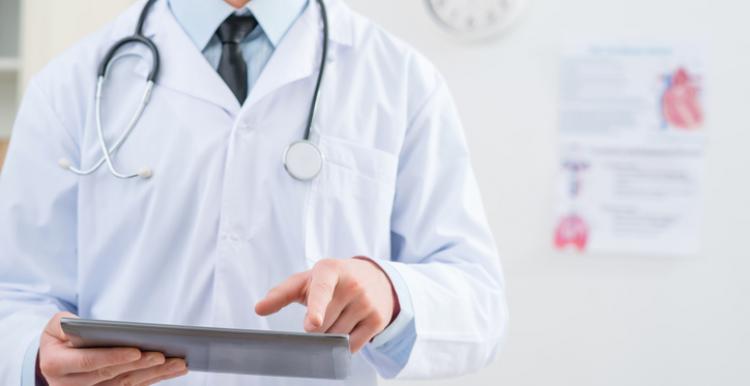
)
(350, 204)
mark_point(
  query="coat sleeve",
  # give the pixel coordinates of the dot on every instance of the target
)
(37, 230)
(443, 249)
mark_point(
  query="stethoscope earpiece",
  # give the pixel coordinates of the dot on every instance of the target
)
(64, 163)
(146, 173)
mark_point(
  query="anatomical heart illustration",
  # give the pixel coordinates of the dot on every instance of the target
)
(681, 102)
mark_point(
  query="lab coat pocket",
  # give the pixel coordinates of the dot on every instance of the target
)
(350, 204)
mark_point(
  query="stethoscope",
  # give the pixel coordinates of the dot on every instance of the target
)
(302, 159)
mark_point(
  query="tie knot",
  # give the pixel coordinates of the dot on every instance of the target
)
(235, 28)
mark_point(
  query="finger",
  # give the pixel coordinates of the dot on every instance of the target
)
(333, 312)
(350, 317)
(147, 360)
(54, 328)
(291, 290)
(171, 367)
(346, 292)
(84, 360)
(164, 378)
(320, 293)
(362, 334)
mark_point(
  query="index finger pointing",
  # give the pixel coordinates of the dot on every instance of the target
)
(291, 290)
(323, 283)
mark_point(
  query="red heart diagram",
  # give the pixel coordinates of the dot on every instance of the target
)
(681, 105)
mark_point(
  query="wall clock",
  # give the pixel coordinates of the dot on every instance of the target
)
(476, 19)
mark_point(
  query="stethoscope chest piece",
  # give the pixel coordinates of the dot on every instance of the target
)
(303, 160)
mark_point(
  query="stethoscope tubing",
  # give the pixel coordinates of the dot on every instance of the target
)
(106, 151)
(145, 173)
(321, 72)
(139, 38)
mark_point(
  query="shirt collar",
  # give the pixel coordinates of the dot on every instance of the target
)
(201, 18)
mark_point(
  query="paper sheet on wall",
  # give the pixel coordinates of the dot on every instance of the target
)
(632, 138)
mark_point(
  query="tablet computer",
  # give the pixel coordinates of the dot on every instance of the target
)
(224, 350)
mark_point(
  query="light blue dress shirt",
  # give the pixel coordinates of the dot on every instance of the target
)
(200, 19)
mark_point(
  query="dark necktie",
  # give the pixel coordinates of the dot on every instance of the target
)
(232, 66)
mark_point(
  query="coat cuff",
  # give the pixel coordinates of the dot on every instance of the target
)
(404, 317)
(28, 374)
(389, 351)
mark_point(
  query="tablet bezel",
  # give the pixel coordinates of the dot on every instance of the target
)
(193, 342)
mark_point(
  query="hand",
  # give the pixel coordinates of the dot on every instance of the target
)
(352, 296)
(61, 364)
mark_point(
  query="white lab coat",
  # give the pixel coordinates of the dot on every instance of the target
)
(221, 221)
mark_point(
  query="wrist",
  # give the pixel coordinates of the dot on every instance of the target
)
(40, 380)
(394, 295)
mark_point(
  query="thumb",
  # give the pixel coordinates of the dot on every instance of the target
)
(54, 328)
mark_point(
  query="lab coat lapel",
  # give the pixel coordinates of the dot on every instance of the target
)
(298, 55)
(183, 67)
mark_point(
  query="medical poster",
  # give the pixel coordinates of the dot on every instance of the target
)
(632, 136)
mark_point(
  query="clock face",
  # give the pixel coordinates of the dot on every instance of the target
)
(476, 19)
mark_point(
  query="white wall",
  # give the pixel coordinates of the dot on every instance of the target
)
(598, 320)
(51, 26)
(9, 31)
(601, 320)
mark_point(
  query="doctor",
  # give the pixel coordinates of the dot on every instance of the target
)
(382, 237)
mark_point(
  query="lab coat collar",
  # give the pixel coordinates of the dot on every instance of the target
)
(298, 55)
(341, 27)
(185, 69)
(201, 18)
